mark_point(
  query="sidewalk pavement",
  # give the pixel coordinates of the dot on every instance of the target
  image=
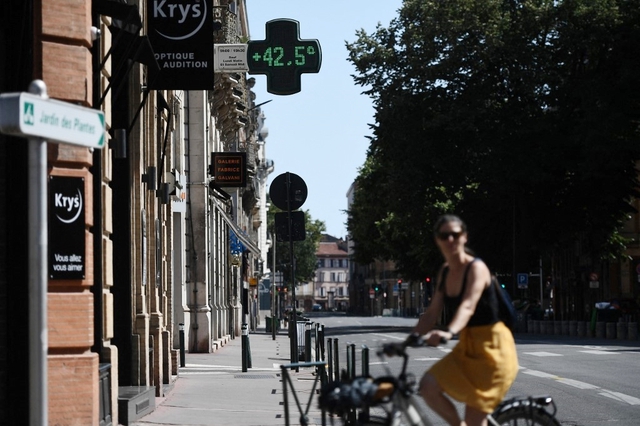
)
(212, 390)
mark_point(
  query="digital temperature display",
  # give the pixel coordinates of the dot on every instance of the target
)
(283, 57)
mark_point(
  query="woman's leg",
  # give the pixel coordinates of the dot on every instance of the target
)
(434, 397)
(475, 417)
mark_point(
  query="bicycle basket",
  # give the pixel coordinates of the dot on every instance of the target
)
(341, 397)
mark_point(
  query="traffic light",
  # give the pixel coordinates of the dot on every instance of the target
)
(427, 280)
(376, 288)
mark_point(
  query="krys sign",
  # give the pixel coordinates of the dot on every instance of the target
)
(181, 34)
(66, 228)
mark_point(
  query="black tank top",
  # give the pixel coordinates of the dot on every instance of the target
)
(486, 312)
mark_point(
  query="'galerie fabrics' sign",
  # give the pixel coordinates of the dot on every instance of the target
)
(66, 228)
(229, 168)
(181, 34)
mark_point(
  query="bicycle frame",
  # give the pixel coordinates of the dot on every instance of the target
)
(405, 401)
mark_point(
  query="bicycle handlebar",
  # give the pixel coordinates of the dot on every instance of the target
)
(399, 349)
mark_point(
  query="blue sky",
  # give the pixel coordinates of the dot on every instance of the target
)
(320, 132)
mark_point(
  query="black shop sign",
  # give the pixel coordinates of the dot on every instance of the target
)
(181, 35)
(229, 168)
(66, 207)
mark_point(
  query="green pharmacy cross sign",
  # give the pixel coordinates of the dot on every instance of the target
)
(283, 57)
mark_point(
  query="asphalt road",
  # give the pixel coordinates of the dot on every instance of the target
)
(593, 381)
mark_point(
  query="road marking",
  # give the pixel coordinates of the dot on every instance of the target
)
(539, 374)
(631, 400)
(542, 354)
(597, 352)
(390, 336)
(576, 383)
(427, 359)
(618, 396)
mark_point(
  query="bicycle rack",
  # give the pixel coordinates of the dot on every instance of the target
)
(286, 380)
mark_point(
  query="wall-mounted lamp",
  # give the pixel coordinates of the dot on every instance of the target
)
(150, 178)
(118, 143)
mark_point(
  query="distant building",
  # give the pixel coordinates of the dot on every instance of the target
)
(331, 283)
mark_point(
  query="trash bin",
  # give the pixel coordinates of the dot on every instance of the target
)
(300, 326)
(270, 323)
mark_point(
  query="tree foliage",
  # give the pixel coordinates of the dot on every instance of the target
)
(304, 251)
(521, 116)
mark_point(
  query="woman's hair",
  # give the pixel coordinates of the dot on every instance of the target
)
(446, 219)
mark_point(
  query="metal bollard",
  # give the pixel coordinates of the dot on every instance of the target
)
(244, 346)
(330, 361)
(365, 361)
(351, 361)
(336, 359)
(321, 341)
(182, 355)
(307, 343)
(364, 413)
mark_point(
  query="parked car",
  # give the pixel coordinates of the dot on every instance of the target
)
(316, 308)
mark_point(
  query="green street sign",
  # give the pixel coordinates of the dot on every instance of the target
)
(28, 115)
(283, 56)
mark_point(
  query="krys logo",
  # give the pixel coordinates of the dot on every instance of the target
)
(67, 208)
(179, 20)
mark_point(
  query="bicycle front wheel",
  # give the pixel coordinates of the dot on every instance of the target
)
(525, 416)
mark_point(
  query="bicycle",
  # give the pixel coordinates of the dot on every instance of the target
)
(401, 404)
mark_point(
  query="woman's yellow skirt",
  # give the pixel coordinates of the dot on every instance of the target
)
(481, 368)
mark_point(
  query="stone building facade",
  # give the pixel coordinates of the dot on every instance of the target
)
(165, 247)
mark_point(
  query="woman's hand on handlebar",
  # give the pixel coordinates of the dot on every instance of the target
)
(398, 348)
(437, 337)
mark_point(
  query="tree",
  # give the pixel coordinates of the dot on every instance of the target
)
(304, 251)
(521, 116)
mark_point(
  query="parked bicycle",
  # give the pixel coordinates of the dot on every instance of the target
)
(393, 400)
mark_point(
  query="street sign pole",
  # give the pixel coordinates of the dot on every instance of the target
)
(38, 230)
(292, 258)
(34, 116)
(38, 247)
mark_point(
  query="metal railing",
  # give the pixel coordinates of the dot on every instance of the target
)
(303, 411)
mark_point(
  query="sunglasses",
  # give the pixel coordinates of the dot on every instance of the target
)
(444, 236)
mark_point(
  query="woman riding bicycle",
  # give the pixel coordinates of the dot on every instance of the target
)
(482, 366)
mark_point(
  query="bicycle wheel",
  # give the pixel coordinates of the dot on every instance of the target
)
(411, 411)
(525, 416)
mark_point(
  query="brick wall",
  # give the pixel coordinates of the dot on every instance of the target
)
(63, 61)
